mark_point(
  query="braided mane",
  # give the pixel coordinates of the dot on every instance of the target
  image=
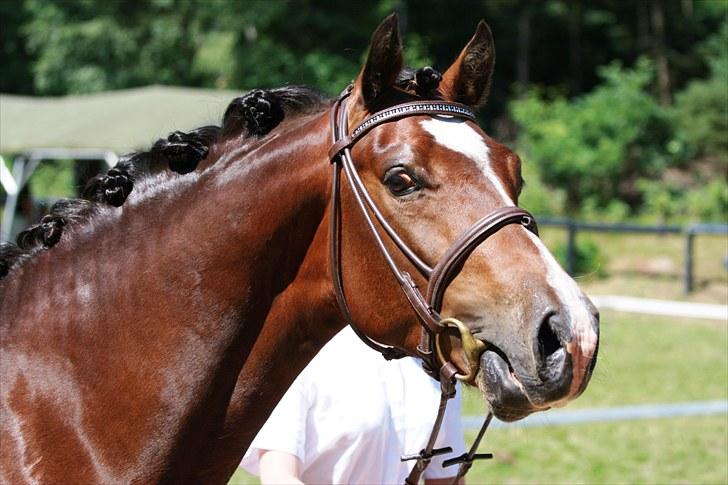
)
(251, 116)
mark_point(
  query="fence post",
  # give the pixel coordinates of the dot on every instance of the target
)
(689, 239)
(571, 248)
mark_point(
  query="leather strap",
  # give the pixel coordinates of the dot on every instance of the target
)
(452, 261)
(366, 204)
(388, 353)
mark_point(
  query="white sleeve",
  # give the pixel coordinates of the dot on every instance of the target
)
(451, 434)
(285, 429)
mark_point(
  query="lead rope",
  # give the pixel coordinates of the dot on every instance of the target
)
(447, 392)
(425, 456)
(466, 459)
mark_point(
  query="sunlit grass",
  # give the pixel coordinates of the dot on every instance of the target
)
(661, 451)
(651, 266)
(678, 450)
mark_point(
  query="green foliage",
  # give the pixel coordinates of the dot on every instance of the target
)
(595, 146)
(709, 203)
(281, 43)
(85, 46)
(536, 196)
(53, 180)
(15, 59)
(591, 138)
(701, 109)
(706, 202)
(588, 259)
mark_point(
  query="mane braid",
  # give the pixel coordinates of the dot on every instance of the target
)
(259, 111)
(254, 114)
(180, 152)
(48, 231)
(422, 82)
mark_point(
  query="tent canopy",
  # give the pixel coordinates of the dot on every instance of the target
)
(120, 121)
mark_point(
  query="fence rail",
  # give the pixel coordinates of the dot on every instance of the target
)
(689, 232)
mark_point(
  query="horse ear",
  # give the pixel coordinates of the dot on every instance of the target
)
(467, 81)
(384, 61)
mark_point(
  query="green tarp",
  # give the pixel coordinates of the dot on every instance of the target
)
(120, 121)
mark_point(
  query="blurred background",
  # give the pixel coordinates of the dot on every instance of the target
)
(619, 110)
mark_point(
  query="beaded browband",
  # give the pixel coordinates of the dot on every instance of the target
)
(431, 108)
(408, 109)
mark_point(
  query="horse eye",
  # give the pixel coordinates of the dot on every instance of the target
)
(400, 182)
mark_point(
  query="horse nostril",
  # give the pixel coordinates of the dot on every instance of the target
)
(548, 341)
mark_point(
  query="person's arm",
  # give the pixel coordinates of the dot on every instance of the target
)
(282, 438)
(279, 467)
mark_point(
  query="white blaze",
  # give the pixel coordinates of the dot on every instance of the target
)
(460, 137)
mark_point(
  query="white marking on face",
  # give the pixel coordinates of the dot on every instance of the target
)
(585, 339)
(460, 137)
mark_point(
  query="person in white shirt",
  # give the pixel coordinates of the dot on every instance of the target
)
(349, 416)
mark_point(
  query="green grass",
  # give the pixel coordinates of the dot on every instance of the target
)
(679, 450)
(651, 266)
(648, 359)
(661, 451)
(643, 360)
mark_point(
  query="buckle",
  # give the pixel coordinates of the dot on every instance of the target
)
(472, 348)
(424, 456)
(466, 460)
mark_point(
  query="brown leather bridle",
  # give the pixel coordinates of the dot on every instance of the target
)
(439, 278)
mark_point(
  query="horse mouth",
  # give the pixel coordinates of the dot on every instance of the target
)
(506, 394)
(512, 397)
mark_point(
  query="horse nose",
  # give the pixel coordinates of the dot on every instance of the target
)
(552, 359)
(550, 338)
(559, 356)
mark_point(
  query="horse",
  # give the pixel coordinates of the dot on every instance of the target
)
(545, 352)
(151, 342)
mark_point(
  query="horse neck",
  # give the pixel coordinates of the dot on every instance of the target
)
(302, 319)
(235, 238)
(283, 185)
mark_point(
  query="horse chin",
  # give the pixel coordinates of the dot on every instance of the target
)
(506, 395)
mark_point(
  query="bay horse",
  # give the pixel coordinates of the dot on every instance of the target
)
(151, 342)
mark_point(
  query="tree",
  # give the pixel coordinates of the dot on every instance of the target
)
(85, 46)
(596, 146)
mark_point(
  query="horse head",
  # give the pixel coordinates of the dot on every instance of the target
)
(432, 176)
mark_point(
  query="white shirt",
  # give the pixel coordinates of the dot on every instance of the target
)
(350, 415)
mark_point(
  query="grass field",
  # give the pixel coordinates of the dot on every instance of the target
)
(663, 451)
(651, 266)
(643, 360)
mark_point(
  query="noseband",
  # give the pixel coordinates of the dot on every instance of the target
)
(447, 268)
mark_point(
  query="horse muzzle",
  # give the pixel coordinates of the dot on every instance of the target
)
(512, 396)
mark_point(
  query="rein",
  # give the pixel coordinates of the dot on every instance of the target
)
(428, 306)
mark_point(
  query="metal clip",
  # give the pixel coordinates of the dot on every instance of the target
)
(472, 348)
